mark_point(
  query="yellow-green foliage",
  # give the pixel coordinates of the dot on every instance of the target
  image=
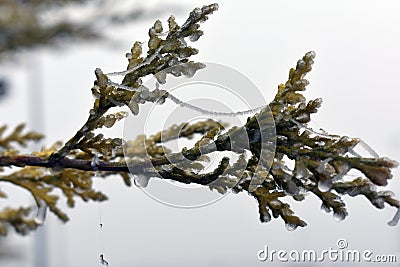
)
(321, 159)
(42, 184)
(17, 137)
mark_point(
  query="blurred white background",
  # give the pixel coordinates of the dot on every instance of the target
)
(356, 72)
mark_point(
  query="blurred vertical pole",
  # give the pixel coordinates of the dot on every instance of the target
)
(36, 122)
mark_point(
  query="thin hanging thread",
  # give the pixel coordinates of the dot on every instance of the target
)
(193, 107)
(103, 262)
(211, 113)
(125, 72)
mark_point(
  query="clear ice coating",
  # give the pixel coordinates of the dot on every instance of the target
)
(167, 168)
(195, 36)
(343, 170)
(339, 216)
(95, 162)
(323, 165)
(113, 153)
(310, 55)
(41, 213)
(141, 180)
(55, 170)
(290, 226)
(395, 219)
(369, 149)
(324, 186)
(300, 170)
(325, 208)
(379, 203)
(266, 217)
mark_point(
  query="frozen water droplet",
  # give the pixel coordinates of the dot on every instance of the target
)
(325, 208)
(55, 170)
(310, 55)
(95, 162)
(141, 180)
(299, 197)
(339, 216)
(379, 203)
(266, 217)
(344, 167)
(167, 168)
(275, 203)
(41, 213)
(145, 93)
(324, 185)
(162, 76)
(197, 11)
(195, 36)
(395, 219)
(300, 170)
(303, 118)
(302, 130)
(109, 123)
(134, 107)
(324, 166)
(301, 64)
(291, 226)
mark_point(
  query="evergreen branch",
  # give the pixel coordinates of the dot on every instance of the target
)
(321, 159)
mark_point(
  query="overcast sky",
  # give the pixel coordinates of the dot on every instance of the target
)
(356, 73)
